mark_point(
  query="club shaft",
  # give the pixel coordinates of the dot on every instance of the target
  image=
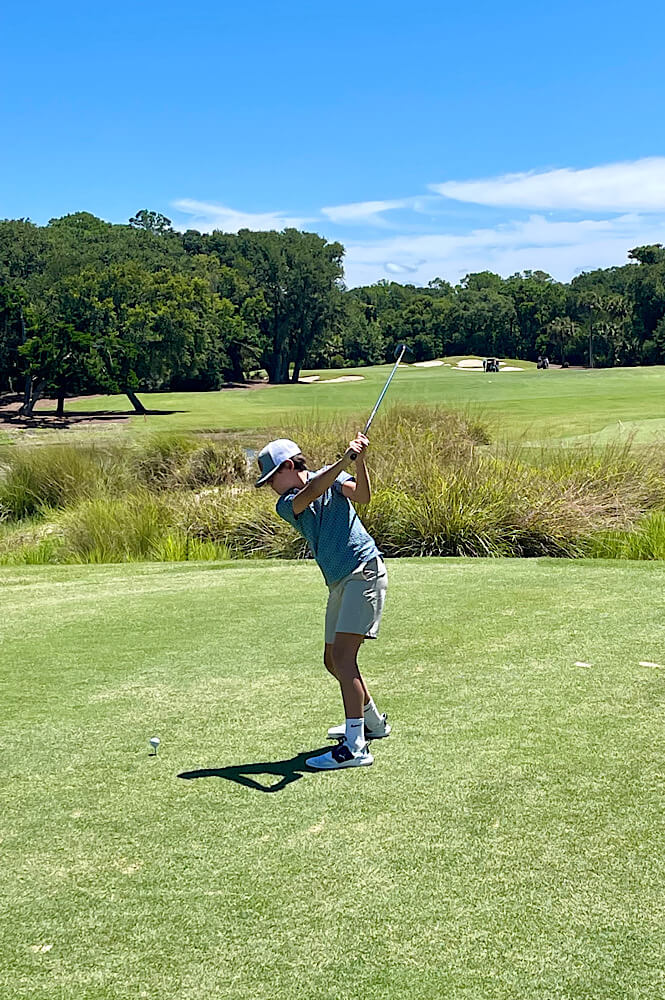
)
(385, 390)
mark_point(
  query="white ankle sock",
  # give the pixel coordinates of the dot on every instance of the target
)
(355, 734)
(373, 718)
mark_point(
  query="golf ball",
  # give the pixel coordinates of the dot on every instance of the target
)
(154, 742)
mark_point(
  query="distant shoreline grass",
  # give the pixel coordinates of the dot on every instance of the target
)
(440, 488)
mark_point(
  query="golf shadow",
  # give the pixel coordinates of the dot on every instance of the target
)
(287, 771)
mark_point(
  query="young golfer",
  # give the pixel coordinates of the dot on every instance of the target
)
(318, 505)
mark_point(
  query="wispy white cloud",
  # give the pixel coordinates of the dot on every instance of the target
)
(392, 268)
(366, 213)
(632, 186)
(563, 249)
(623, 206)
(208, 216)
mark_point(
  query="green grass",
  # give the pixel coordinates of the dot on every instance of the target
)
(438, 490)
(508, 842)
(554, 404)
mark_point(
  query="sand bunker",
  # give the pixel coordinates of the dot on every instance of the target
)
(342, 378)
(427, 364)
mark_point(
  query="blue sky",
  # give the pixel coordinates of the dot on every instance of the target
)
(431, 139)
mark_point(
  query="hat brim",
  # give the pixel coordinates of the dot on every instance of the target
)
(293, 450)
(264, 479)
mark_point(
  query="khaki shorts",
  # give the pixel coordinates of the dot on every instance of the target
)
(355, 603)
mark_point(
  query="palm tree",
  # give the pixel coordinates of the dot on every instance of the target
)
(562, 329)
(595, 304)
(614, 326)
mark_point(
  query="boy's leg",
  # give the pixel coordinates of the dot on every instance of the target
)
(353, 751)
(376, 724)
(329, 663)
(345, 661)
(328, 659)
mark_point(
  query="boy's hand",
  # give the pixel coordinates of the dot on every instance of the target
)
(356, 447)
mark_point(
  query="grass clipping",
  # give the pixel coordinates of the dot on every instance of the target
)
(439, 488)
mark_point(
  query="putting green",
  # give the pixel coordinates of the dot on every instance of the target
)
(508, 842)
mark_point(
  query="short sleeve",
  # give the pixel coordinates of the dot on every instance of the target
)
(343, 477)
(284, 507)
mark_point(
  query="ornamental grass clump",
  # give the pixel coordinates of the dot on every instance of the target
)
(40, 477)
(440, 487)
(243, 520)
(179, 461)
(488, 509)
(29, 541)
(645, 541)
(120, 530)
(403, 437)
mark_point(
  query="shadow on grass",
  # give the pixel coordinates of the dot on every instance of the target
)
(44, 419)
(287, 771)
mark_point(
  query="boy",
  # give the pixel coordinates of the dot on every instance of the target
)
(318, 505)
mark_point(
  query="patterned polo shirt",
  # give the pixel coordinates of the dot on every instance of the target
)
(336, 536)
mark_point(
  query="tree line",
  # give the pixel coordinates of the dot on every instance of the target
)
(90, 306)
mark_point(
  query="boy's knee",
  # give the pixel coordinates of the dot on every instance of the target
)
(329, 662)
(344, 661)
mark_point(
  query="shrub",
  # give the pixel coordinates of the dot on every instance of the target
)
(438, 489)
(36, 478)
(119, 530)
(167, 462)
(242, 520)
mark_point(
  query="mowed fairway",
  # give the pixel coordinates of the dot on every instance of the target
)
(507, 843)
(541, 405)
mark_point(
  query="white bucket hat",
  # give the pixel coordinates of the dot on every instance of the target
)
(271, 457)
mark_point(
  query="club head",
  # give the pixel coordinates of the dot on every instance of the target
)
(401, 350)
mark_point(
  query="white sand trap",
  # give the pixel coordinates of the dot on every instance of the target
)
(341, 378)
(427, 364)
(470, 363)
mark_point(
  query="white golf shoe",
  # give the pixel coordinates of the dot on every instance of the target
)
(339, 732)
(341, 756)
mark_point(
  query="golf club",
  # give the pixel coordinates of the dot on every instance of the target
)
(400, 351)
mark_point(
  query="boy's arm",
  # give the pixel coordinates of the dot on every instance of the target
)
(359, 491)
(319, 484)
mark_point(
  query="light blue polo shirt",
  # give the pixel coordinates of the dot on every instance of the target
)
(335, 534)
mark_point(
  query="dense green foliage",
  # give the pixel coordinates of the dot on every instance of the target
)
(87, 306)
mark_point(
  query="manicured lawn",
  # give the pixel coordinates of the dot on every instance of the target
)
(508, 842)
(553, 404)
